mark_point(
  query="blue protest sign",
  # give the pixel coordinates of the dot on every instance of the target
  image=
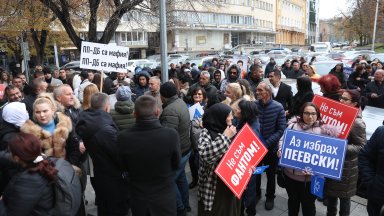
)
(313, 153)
(260, 169)
(317, 186)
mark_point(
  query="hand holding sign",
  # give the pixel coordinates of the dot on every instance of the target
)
(230, 131)
(244, 153)
(336, 114)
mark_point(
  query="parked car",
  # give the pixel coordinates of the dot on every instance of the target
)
(379, 56)
(132, 64)
(336, 56)
(324, 67)
(74, 65)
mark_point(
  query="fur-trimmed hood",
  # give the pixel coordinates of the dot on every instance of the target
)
(52, 145)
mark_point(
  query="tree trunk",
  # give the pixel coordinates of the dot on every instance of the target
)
(39, 44)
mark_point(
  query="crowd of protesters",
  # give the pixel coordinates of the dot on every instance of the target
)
(133, 135)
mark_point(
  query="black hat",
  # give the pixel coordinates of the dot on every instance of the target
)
(168, 90)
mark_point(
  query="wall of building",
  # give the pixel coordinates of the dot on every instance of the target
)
(291, 22)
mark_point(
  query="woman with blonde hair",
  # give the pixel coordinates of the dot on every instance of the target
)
(54, 130)
(310, 71)
(233, 92)
(90, 90)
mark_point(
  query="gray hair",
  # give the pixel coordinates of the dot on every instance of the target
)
(155, 78)
(58, 91)
(99, 101)
(267, 88)
(206, 74)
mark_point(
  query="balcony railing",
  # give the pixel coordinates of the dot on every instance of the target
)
(134, 43)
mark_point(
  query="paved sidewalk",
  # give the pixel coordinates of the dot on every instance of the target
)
(358, 205)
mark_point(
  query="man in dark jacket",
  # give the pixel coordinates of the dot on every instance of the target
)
(281, 92)
(272, 126)
(270, 66)
(204, 82)
(255, 77)
(374, 91)
(295, 72)
(99, 133)
(176, 115)
(371, 169)
(150, 153)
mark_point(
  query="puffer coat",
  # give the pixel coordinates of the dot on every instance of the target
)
(347, 186)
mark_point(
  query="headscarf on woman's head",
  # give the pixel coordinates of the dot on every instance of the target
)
(214, 119)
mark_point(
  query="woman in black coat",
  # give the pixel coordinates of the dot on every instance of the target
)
(304, 94)
(30, 192)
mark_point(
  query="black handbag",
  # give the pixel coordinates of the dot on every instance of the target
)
(281, 177)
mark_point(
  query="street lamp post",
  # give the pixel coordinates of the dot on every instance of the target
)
(374, 26)
(163, 42)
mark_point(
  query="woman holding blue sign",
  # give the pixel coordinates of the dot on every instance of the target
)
(198, 96)
(298, 182)
(346, 188)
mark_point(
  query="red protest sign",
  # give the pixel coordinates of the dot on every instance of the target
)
(2, 88)
(245, 152)
(336, 114)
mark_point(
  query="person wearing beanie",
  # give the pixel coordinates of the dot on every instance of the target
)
(14, 115)
(176, 115)
(122, 114)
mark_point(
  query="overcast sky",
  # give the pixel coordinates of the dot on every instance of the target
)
(330, 8)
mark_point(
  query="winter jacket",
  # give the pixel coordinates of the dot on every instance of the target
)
(347, 186)
(150, 153)
(340, 75)
(353, 83)
(27, 194)
(299, 99)
(292, 74)
(99, 134)
(61, 143)
(122, 115)
(138, 90)
(375, 87)
(371, 166)
(176, 115)
(7, 132)
(272, 122)
(317, 128)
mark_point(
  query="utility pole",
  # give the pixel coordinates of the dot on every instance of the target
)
(163, 42)
(374, 26)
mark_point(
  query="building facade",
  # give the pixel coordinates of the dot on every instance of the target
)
(312, 20)
(291, 22)
(222, 25)
(329, 31)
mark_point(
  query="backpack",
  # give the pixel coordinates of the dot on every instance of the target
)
(67, 189)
